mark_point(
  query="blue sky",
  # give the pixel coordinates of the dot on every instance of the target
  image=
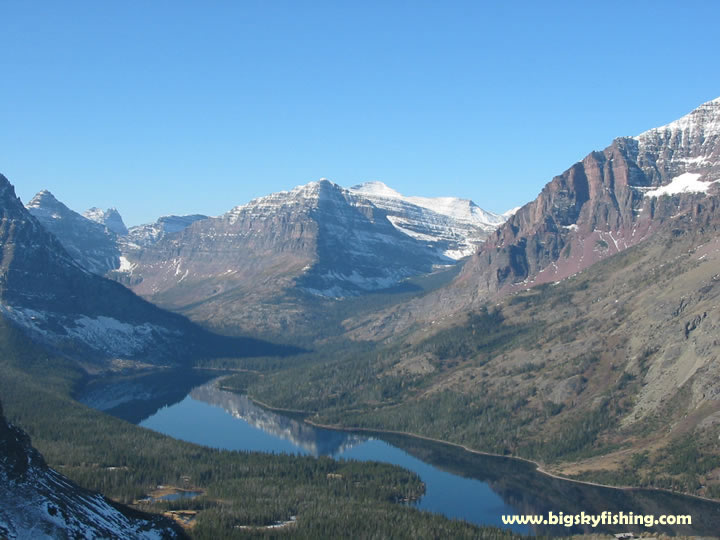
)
(165, 107)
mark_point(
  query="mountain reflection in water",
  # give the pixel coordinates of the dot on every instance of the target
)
(301, 434)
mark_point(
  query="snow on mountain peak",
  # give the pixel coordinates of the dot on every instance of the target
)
(377, 189)
(459, 209)
(704, 120)
(43, 198)
(111, 218)
(460, 223)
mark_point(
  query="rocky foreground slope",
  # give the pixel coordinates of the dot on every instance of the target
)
(37, 502)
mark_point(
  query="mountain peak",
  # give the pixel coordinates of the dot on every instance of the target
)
(379, 189)
(704, 120)
(111, 218)
(7, 190)
(456, 208)
(45, 206)
(44, 199)
(318, 189)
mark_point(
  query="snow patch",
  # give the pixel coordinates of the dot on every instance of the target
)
(685, 183)
(125, 265)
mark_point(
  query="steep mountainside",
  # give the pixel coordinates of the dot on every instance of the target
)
(260, 265)
(90, 243)
(609, 201)
(55, 301)
(37, 502)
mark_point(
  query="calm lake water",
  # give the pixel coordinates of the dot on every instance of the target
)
(459, 484)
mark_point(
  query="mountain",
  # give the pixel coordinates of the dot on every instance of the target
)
(457, 226)
(144, 235)
(278, 262)
(111, 218)
(607, 202)
(56, 301)
(583, 334)
(90, 243)
(611, 375)
(602, 205)
(37, 502)
(259, 265)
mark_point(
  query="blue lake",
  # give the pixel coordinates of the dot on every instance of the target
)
(459, 484)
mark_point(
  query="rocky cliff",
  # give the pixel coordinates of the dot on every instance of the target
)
(607, 202)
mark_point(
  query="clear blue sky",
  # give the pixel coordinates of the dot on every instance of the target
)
(165, 107)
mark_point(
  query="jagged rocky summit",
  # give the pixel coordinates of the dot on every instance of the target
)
(110, 218)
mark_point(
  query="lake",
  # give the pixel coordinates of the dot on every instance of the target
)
(188, 405)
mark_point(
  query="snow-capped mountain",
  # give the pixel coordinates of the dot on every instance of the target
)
(318, 238)
(457, 225)
(38, 502)
(347, 241)
(329, 240)
(149, 233)
(609, 201)
(90, 243)
(111, 218)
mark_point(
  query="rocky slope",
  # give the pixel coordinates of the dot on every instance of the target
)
(92, 244)
(54, 300)
(37, 502)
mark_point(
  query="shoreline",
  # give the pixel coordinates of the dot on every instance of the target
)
(538, 466)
